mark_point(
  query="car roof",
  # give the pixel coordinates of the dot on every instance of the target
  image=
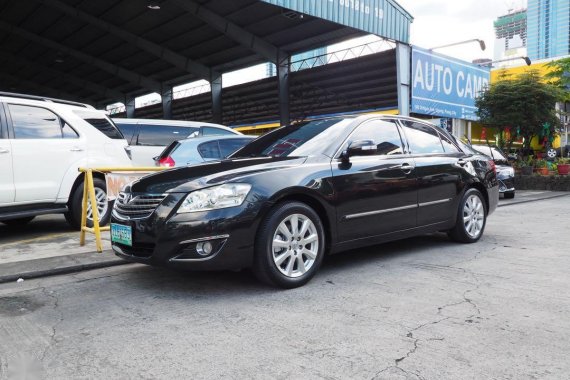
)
(177, 123)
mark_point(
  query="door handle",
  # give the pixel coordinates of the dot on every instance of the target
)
(461, 162)
(76, 149)
(2, 151)
(407, 168)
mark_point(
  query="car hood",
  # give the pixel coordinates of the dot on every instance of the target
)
(190, 178)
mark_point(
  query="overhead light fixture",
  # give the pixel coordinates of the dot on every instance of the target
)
(482, 44)
(153, 5)
(59, 58)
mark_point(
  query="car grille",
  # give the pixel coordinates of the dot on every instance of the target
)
(136, 206)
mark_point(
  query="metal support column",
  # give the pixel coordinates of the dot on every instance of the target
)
(403, 60)
(166, 95)
(130, 107)
(283, 66)
(216, 87)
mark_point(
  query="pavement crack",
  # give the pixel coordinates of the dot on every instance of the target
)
(53, 333)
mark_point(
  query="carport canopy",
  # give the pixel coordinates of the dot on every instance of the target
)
(106, 51)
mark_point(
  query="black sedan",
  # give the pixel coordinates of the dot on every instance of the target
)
(286, 199)
(505, 172)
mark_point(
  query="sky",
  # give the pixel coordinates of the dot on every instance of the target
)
(442, 22)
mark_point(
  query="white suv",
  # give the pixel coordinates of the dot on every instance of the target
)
(43, 142)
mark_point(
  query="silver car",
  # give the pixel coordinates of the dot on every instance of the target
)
(200, 149)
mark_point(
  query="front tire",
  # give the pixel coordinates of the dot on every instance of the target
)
(471, 218)
(104, 207)
(290, 246)
(509, 195)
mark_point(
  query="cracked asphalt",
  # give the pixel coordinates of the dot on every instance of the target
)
(422, 308)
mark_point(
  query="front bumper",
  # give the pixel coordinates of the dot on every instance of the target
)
(169, 239)
(506, 184)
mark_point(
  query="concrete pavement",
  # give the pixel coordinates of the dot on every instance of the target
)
(422, 308)
(48, 246)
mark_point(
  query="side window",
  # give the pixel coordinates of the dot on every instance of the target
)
(34, 122)
(212, 131)
(385, 135)
(448, 146)
(68, 132)
(229, 146)
(422, 138)
(210, 150)
(162, 135)
(99, 121)
(128, 130)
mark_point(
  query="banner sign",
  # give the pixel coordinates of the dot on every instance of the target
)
(444, 86)
(117, 181)
(384, 18)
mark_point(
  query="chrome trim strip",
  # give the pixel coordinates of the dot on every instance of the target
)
(378, 212)
(435, 202)
(204, 239)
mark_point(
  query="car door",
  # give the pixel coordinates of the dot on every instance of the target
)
(7, 191)
(43, 149)
(439, 168)
(375, 194)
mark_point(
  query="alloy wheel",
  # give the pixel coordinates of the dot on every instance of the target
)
(295, 245)
(473, 216)
(102, 204)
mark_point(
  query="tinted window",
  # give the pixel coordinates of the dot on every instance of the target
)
(34, 122)
(422, 138)
(384, 134)
(169, 149)
(101, 123)
(448, 146)
(68, 132)
(211, 131)
(210, 150)
(229, 146)
(161, 135)
(128, 130)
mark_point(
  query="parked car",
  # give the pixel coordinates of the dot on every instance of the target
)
(285, 200)
(148, 137)
(200, 149)
(43, 142)
(505, 172)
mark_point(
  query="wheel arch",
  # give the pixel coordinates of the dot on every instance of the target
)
(312, 201)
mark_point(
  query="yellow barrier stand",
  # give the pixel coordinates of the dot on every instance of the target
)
(89, 196)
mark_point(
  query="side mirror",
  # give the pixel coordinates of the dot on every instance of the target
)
(359, 148)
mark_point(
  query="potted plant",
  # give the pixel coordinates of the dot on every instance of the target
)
(527, 166)
(563, 165)
(541, 167)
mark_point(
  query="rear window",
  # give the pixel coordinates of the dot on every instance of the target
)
(169, 149)
(101, 123)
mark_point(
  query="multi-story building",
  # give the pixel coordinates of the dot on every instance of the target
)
(548, 28)
(511, 36)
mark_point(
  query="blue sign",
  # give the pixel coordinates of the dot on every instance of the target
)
(444, 86)
(385, 18)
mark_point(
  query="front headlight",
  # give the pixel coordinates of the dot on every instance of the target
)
(213, 198)
(508, 172)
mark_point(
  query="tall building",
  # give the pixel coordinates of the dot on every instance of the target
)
(548, 28)
(511, 35)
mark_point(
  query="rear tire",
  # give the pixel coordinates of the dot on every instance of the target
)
(509, 195)
(290, 246)
(18, 223)
(73, 216)
(471, 218)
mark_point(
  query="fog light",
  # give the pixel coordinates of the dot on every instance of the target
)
(204, 248)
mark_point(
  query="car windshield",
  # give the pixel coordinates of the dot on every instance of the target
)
(303, 139)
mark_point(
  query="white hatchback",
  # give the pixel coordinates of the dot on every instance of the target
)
(43, 143)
